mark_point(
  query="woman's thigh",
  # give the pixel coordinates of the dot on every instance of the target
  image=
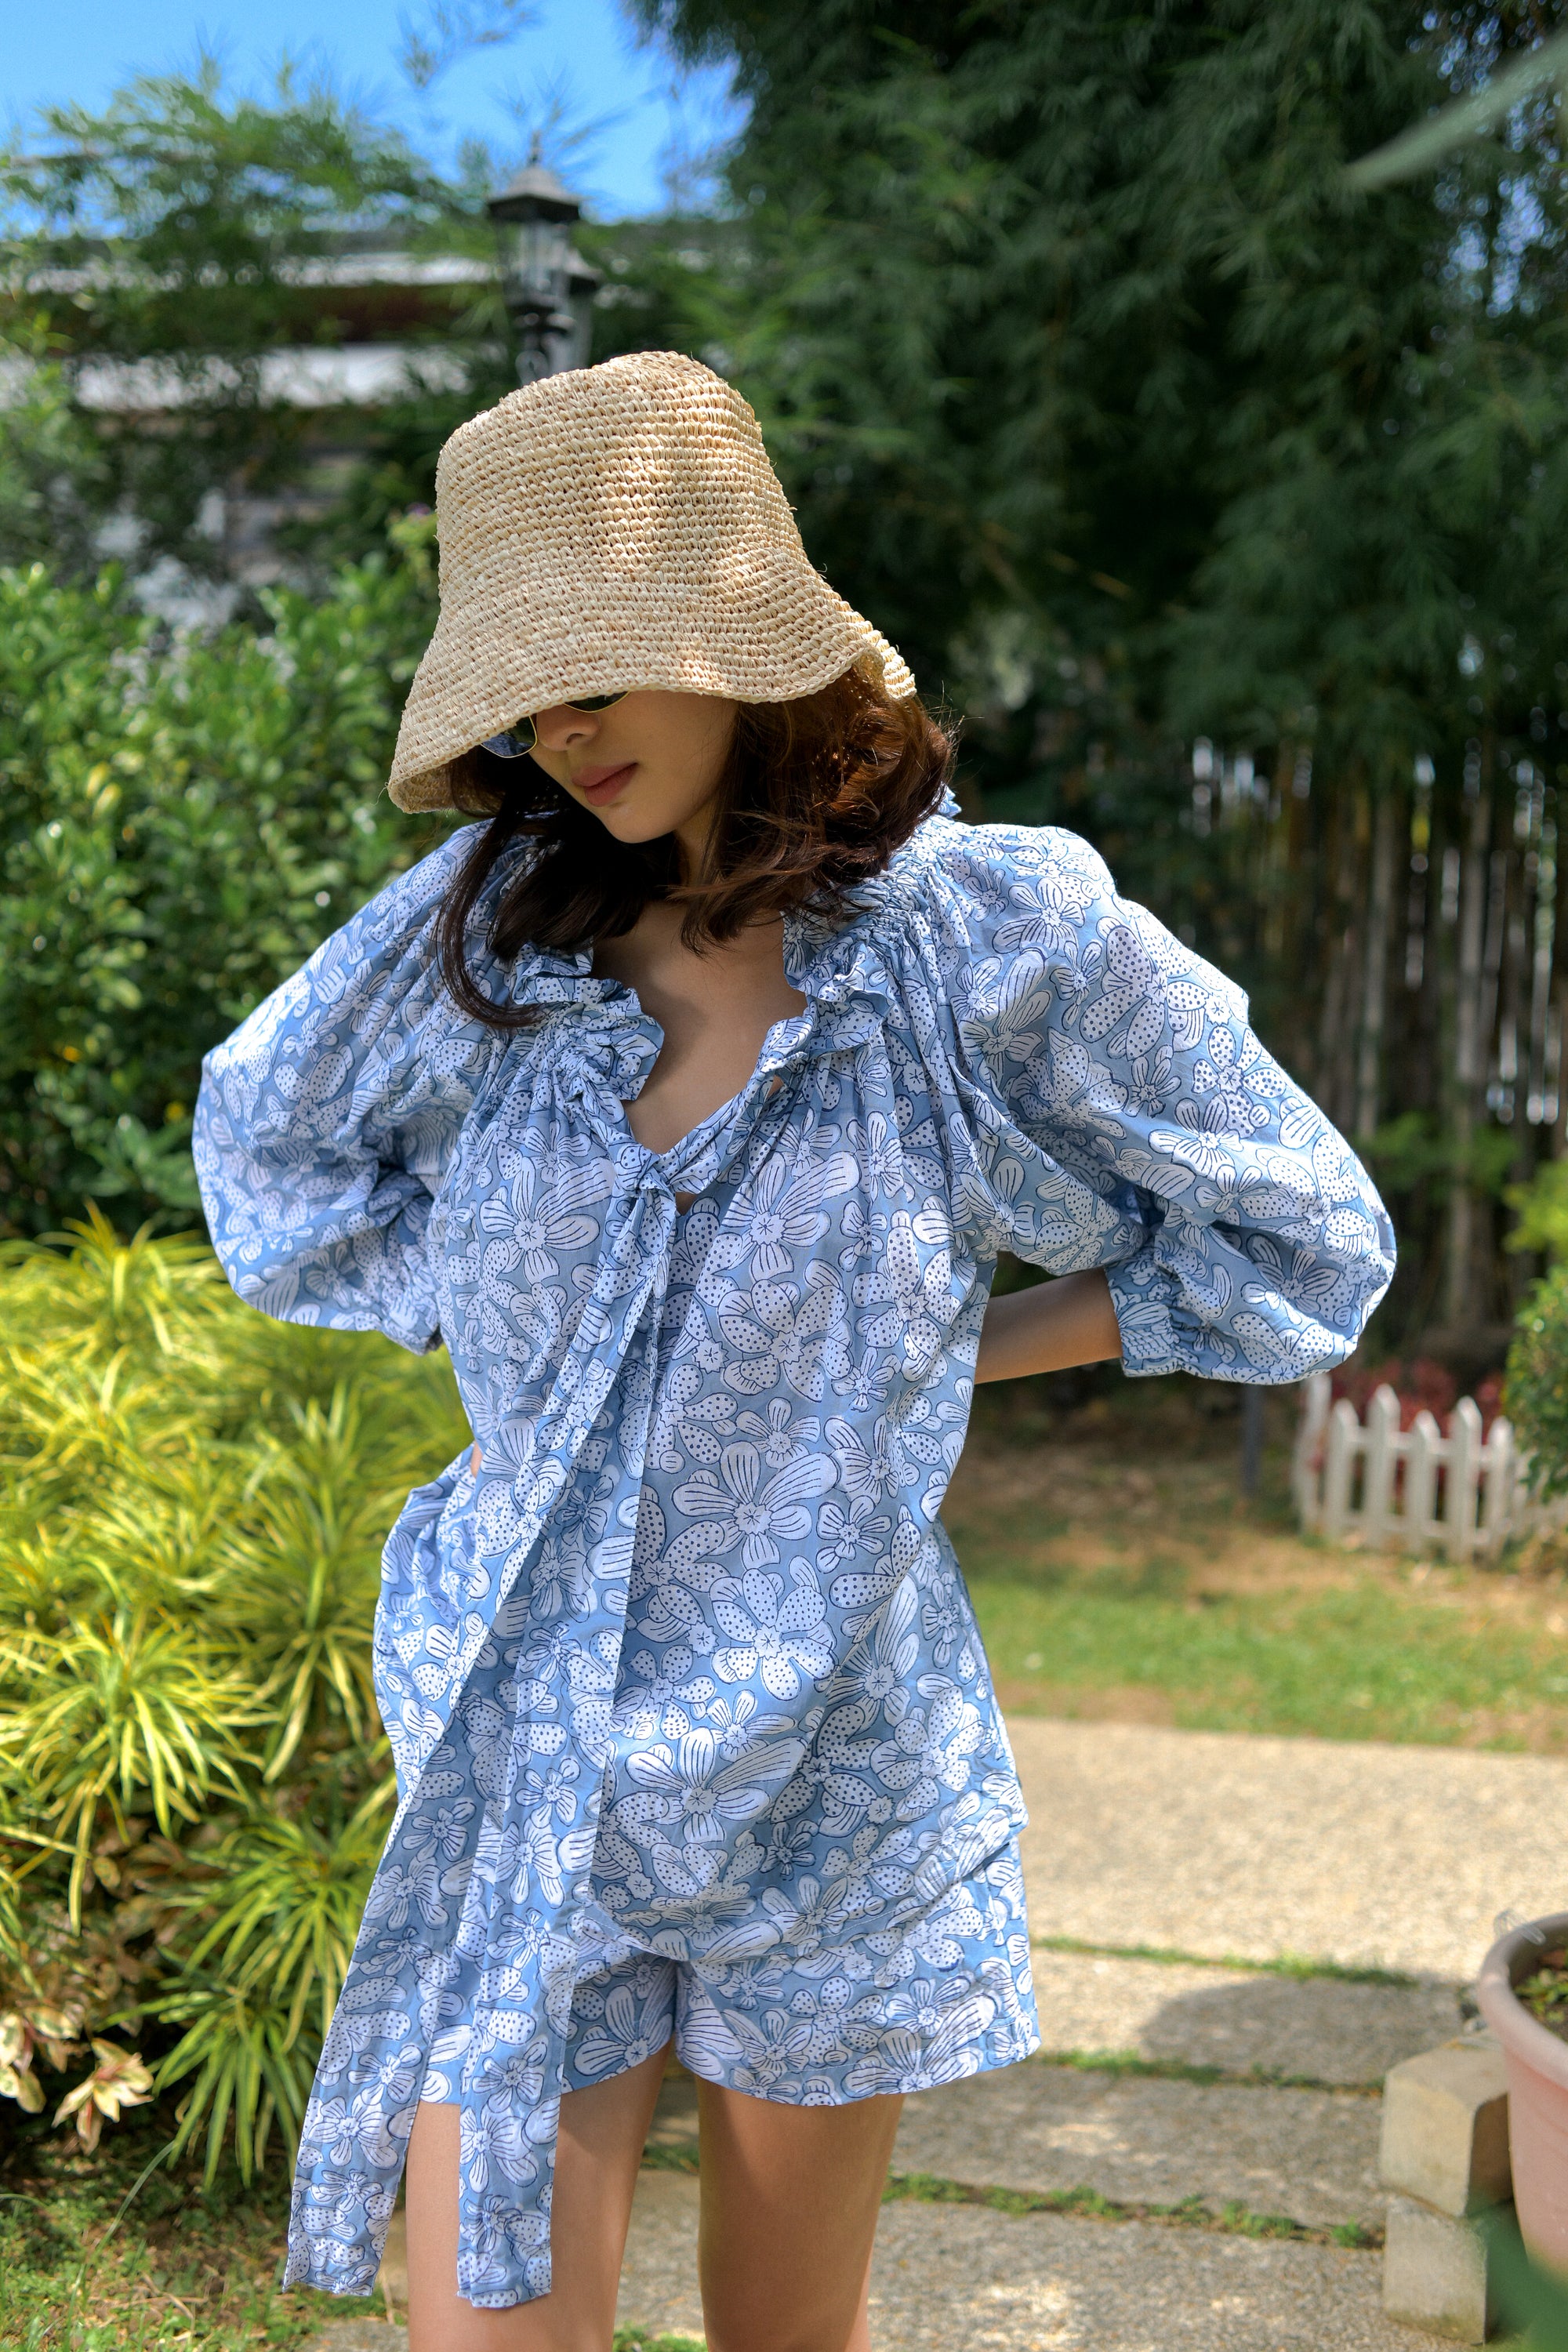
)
(598, 2149)
(790, 2200)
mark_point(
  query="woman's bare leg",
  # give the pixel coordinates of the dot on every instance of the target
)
(597, 2153)
(790, 2199)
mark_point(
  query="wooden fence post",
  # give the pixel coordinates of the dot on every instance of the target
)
(1381, 1443)
(1426, 1451)
(1495, 1515)
(1307, 1461)
(1344, 1441)
(1464, 1477)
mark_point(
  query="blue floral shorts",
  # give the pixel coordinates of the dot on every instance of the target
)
(941, 1996)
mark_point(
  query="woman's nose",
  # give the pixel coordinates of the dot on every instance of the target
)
(560, 727)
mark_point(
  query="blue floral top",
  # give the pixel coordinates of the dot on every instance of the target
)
(690, 1660)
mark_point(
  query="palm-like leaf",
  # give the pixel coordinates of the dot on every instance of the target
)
(151, 1297)
(249, 2070)
(276, 1925)
(298, 1576)
(130, 1706)
(193, 1506)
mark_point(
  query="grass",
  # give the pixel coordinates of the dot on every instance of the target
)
(1162, 1954)
(1087, 2204)
(112, 2253)
(104, 2254)
(1128, 2064)
(1117, 1574)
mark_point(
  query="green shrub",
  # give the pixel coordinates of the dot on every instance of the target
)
(181, 818)
(1536, 1391)
(194, 1783)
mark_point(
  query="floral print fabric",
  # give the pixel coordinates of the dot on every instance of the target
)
(687, 1673)
(899, 2010)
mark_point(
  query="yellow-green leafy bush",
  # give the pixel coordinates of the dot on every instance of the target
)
(194, 1782)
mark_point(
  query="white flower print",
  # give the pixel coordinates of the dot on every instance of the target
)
(1221, 1075)
(905, 2061)
(930, 1750)
(772, 2048)
(770, 1635)
(781, 1332)
(1050, 911)
(784, 1436)
(914, 1298)
(867, 1588)
(658, 1701)
(621, 1702)
(536, 1219)
(784, 1213)
(944, 1620)
(629, 2032)
(1131, 1007)
(739, 1508)
(867, 1469)
(691, 1792)
(879, 1155)
(847, 1534)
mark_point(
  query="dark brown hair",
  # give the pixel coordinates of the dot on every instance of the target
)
(815, 796)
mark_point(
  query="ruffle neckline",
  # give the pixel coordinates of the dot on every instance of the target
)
(841, 969)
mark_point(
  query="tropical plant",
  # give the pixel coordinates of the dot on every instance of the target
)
(194, 1784)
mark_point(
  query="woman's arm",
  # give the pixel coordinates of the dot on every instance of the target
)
(1048, 1329)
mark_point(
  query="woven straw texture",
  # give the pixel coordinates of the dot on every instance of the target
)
(614, 528)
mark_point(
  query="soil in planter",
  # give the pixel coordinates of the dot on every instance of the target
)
(1545, 1994)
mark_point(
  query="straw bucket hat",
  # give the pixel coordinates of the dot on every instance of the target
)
(613, 527)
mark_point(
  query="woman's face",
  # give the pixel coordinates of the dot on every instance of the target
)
(647, 766)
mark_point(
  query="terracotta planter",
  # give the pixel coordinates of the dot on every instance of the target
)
(1537, 2063)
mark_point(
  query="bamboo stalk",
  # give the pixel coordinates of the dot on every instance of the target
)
(1374, 987)
(1467, 1068)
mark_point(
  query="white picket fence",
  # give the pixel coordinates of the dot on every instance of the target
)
(1463, 1494)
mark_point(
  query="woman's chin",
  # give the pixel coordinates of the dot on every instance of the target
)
(626, 826)
(633, 826)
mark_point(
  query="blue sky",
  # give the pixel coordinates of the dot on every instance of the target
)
(623, 115)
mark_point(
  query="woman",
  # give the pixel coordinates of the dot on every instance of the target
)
(688, 1100)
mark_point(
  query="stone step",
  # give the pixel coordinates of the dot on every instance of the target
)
(954, 2278)
(1308, 2156)
(1313, 2029)
(1221, 1845)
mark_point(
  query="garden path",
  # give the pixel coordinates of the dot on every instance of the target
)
(1351, 1890)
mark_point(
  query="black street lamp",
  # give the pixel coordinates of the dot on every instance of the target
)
(547, 286)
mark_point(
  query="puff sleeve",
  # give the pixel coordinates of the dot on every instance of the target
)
(1134, 1121)
(325, 1123)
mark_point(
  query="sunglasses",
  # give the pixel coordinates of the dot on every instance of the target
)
(516, 741)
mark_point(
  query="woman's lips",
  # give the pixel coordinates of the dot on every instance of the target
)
(600, 784)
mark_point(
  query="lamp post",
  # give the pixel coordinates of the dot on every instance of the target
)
(547, 286)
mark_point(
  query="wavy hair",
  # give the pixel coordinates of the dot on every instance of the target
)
(815, 795)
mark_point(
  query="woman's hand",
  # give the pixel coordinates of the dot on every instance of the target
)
(1048, 1329)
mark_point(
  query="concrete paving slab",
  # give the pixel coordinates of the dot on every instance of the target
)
(1218, 1844)
(961, 2279)
(659, 2275)
(1318, 2028)
(1309, 2155)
